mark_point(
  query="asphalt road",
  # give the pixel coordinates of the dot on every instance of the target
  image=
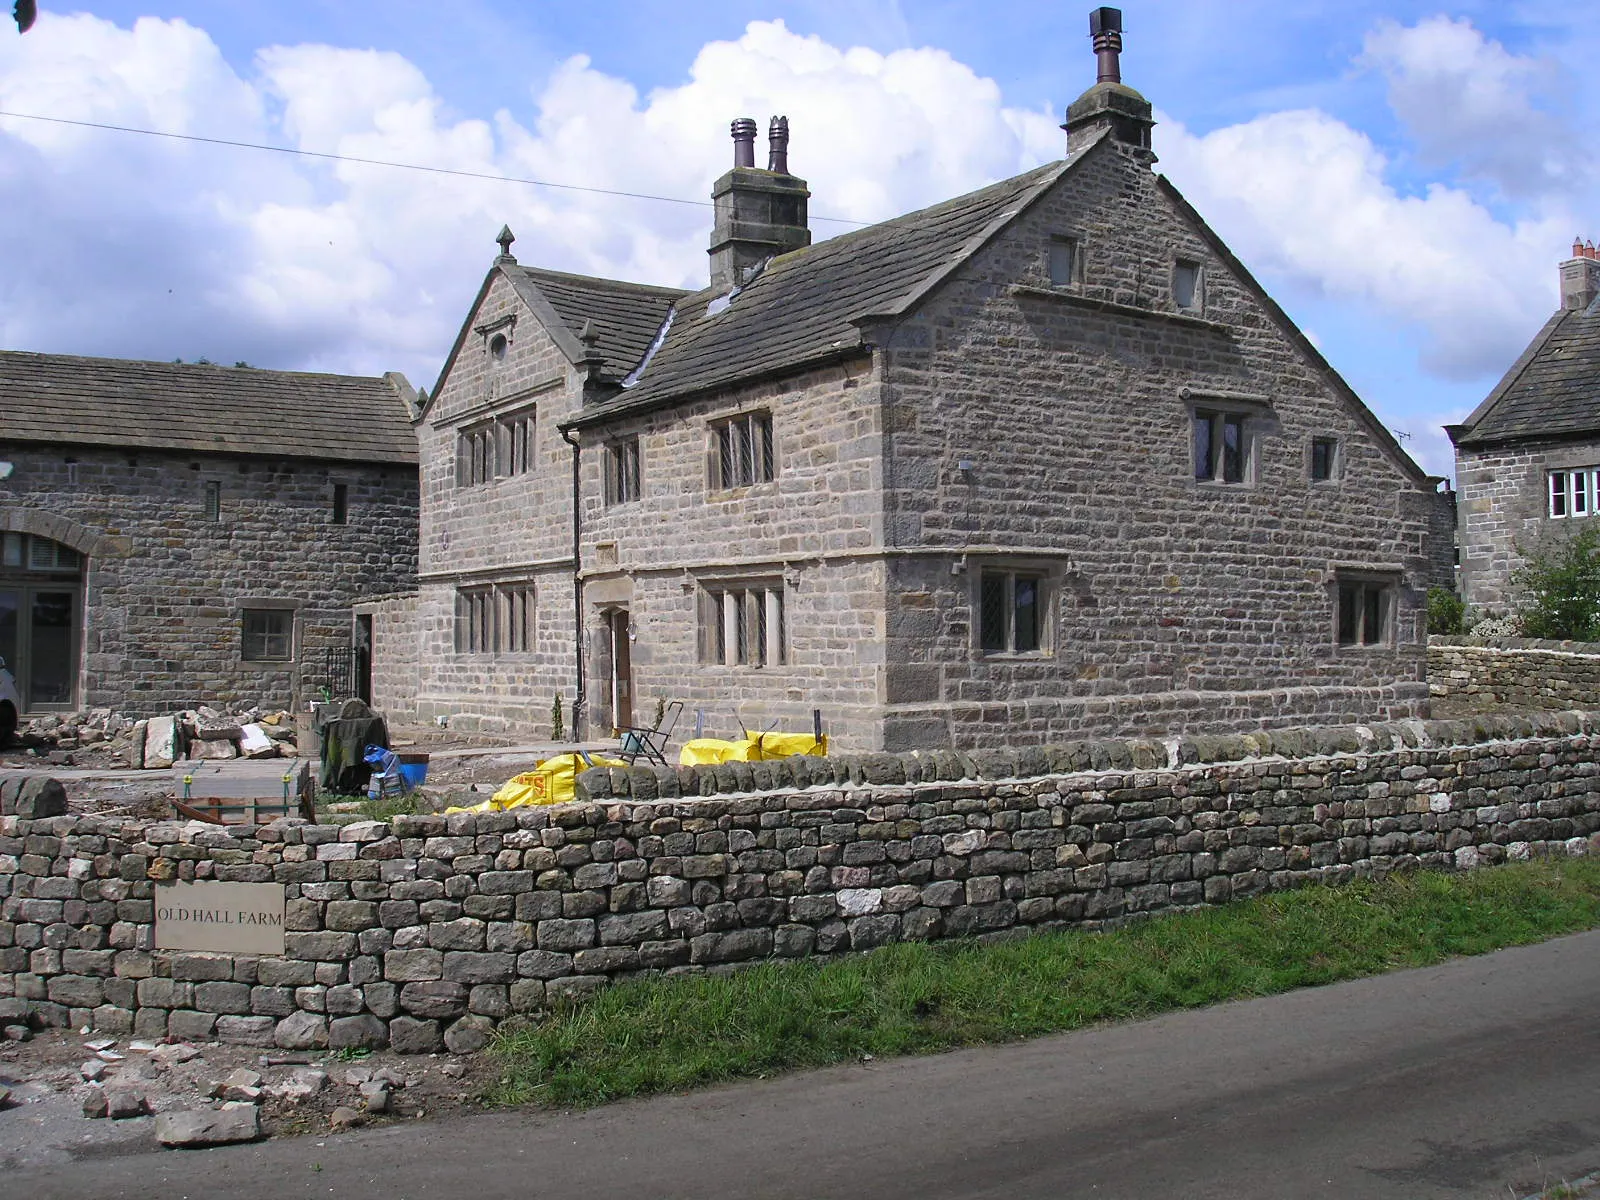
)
(1480, 1078)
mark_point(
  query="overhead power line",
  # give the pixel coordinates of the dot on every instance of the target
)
(380, 162)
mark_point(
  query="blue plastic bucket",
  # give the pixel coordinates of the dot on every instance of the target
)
(414, 769)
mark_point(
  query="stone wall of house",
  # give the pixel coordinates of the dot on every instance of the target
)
(427, 930)
(812, 532)
(1166, 595)
(164, 586)
(1505, 512)
(512, 531)
(1520, 673)
(1168, 604)
(396, 655)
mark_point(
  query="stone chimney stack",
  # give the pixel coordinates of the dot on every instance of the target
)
(1109, 104)
(1580, 276)
(759, 214)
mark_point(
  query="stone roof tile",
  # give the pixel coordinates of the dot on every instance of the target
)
(183, 406)
(803, 307)
(1557, 390)
(626, 315)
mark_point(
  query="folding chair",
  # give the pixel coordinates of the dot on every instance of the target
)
(650, 743)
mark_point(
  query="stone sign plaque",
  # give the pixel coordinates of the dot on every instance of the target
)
(227, 918)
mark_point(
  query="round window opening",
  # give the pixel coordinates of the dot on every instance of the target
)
(497, 345)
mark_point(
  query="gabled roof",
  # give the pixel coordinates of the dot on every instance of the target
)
(72, 400)
(1551, 391)
(804, 307)
(625, 315)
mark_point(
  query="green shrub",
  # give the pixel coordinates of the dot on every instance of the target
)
(1560, 589)
(1445, 611)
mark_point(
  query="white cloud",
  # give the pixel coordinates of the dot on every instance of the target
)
(1469, 102)
(1304, 198)
(145, 247)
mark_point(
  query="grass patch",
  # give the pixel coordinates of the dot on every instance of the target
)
(657, 1035)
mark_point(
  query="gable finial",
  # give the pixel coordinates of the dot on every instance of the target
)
(589, 335)
(1105, 27)
(505, 237)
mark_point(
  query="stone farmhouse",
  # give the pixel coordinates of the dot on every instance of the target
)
(1040, 461)
(1528, 457)
(176, 534)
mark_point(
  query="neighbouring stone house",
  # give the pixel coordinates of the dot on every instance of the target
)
(1039, 461)
(173, 534)
(1528, 458)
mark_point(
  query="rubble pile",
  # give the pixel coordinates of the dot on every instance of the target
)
(155, 743)
(197, 1093)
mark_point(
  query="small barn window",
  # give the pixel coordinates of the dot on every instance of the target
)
(1186, 285)
(268, 635)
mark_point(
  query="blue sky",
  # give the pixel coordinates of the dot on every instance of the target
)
(1403, 177)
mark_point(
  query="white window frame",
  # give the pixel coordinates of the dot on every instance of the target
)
(1571, 492)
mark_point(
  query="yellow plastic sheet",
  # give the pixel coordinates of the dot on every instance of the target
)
(701, 751)
(552, 781)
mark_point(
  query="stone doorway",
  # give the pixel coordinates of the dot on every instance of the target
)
(41, 615)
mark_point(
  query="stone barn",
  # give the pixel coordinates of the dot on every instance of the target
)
(174, 534)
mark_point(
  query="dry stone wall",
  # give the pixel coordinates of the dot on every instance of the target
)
(1520, 673)
(428, 930)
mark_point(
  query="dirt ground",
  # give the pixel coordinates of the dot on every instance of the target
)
(460, 765)
(42, 1122)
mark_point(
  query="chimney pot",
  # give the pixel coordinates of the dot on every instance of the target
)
(1577, 247)
(1105, 27)
(744, 142)
(778, 145)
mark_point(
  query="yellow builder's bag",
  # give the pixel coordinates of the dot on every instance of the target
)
(762, 746)
(787, 745)
(553, 781)
(709, 751)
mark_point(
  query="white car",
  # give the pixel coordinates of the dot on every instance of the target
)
(10, 705)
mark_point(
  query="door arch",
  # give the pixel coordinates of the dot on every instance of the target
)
(41, 616)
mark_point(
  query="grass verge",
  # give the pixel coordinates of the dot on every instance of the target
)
(657, 1035)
